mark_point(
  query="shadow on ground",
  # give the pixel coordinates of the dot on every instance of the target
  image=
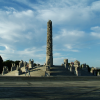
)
(45, 93)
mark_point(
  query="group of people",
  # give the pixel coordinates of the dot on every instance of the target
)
(27, 68)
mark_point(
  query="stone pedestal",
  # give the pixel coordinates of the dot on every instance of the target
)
(31, 63)
(17, 67)
(66, 63)
(11, 69)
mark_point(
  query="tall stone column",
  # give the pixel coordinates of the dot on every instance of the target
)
(49, 55)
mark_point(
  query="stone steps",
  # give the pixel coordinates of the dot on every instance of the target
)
(60, 71)
(11, 73)
(35, 71)
(84, 73)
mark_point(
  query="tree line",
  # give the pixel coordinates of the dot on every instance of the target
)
(8, 63)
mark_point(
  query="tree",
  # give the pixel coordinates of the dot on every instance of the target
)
(69, 64)
(89, 68)
(1, 64)
(35, 64)
(8, 63)
(17, 62)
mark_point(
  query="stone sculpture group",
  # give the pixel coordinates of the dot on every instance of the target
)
(18, 67)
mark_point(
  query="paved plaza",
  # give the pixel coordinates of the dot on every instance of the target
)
(50, 90)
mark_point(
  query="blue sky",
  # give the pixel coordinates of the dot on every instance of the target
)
(76, 30)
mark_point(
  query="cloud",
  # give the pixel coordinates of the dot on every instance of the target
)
(69, 39)
(23, 31)
(96, 28)
(28, 13)
(75, 50)
(96, 6)
(96, 31)
(57, 54)
(60, 60)
(68, 34)
(68, 46)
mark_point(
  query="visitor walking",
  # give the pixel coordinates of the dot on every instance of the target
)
(28, 71)
(25, 71)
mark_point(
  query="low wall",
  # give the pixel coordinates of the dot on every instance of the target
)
(68, 78)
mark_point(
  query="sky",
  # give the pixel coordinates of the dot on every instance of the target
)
(75, 30)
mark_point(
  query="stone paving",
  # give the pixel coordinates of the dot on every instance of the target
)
(62, 90)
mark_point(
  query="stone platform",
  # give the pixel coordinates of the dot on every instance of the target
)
(51, 78)
(50, 88)
(36, 71)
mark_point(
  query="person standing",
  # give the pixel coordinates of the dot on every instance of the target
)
(28, 71)
(25, 71)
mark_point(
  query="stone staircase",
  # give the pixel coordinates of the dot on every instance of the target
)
(35, 71)
(11, 73)
(60, 71)
(55, 70)
(85, 73)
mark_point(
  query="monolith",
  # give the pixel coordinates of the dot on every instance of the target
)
(49, 54)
